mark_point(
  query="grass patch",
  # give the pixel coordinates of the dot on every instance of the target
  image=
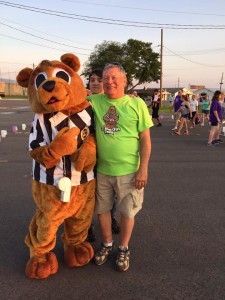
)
(14, 97)
(162, 109)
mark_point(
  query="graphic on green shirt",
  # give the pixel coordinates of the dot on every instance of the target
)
(110, 119)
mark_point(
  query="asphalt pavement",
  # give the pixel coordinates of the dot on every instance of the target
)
(178, 243)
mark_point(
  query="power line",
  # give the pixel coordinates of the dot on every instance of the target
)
(151, 9)
(42, 38)
(39, 44)
(52, 34)
(112, 21)
(202, 52)
(192, 61)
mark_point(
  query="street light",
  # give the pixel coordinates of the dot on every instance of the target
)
(221, 82)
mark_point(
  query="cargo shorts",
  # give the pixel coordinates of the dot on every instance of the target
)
(128, 199)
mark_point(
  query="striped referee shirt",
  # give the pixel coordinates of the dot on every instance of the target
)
(44, 129)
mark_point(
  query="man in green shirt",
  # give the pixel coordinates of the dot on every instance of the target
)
(123, 150)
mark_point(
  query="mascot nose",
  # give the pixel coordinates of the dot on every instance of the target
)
(49, 85)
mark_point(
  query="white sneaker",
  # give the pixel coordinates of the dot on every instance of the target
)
(175, 128)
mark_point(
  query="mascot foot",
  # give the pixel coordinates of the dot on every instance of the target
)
(80, 255)
(42, 267)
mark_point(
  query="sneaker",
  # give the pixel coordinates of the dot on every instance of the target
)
(160, 124)
(115, 226)
(91, 234)
(175, 128)
(215, 142)
(177, 132)
(102, 255)
(219, 141)
(123, 260)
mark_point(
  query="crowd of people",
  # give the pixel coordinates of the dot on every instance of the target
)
(189, 108)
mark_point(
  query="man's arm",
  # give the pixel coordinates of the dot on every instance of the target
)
(145, 152)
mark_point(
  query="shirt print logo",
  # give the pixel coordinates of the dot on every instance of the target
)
(110, 119)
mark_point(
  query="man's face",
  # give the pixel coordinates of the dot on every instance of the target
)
(114, 82)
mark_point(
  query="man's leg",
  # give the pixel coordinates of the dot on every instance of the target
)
(127, 225)
(123, 256)
(106, 249)
(105, 222)
(103, 206)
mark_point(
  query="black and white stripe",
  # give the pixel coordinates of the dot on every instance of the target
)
(45, 128)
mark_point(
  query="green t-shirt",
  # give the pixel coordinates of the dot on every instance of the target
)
(118, 123)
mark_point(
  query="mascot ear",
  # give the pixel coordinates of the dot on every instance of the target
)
(71, 60)
(24, 76)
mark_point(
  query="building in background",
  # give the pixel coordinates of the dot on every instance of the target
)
(11, 88)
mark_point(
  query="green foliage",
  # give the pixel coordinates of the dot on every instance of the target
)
(138, 59)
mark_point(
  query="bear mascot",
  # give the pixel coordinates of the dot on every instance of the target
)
(62, 146)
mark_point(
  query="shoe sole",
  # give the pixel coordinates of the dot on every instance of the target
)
(120, 270)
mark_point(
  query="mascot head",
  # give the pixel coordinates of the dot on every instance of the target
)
(54, 85)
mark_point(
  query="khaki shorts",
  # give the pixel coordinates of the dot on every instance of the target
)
(128, 201)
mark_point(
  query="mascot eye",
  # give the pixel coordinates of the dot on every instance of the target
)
(39, 79)
(60, 73)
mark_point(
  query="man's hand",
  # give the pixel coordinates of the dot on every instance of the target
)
(141, 178)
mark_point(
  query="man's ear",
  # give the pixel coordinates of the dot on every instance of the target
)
(125, 81)
(23, 77)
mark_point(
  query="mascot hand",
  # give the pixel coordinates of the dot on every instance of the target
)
(85, 157)
(65, 143)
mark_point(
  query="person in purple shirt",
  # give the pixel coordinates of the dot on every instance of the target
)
(176, 107)
(215, 119)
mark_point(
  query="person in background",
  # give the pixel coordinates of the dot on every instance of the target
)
(223, 115)
(95, 82)
(171, 100)
(205, 103)
(186, 113)
(194, 109)
(135, 94)
(215, 119)
(176, 107)
(123, 150)
(96, 87)
(155, 107)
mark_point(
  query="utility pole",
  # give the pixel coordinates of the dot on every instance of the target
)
(161, 66)
(221, 82)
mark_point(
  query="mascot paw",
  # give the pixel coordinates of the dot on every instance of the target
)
(80, 255)
(42, 267)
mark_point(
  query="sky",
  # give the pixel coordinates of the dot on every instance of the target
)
(193, 34)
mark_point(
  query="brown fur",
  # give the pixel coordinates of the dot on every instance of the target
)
(54, 94)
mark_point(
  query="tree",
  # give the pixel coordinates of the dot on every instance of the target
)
(140, 62)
